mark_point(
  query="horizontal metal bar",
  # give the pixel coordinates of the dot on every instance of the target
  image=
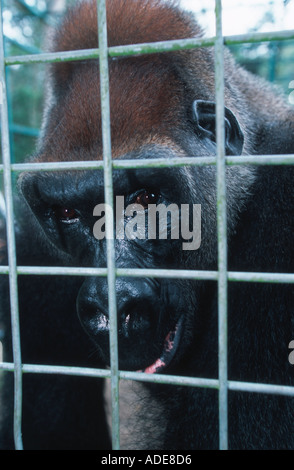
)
(65, 271)
(57, 166)
(170, 379)
(259, 37)
(200, 382)
(287, 159)
(261, 388)
(59, 370)
(24, 130)
(48, 57)
(160, 46)
(126, 375)
(147, 48)
(233, 276)
(275, 278)
(192, 43)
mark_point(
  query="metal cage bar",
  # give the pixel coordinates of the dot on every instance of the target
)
(285, 390)
(148, 48)
(7, 177)
(108, 191)
(221, 228)
(286, 278)
(259, 160)
(222, 275)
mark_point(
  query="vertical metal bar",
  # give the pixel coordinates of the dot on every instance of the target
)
(10, 114)
(106, 137)
(7, 177)
(222, 230)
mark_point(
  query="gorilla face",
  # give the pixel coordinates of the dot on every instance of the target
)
(151, 312)
(155, 316)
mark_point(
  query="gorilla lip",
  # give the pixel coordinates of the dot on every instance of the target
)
(170, 347)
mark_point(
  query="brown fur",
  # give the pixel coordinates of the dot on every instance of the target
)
(142, 105)
(149, 94)
(127, 24)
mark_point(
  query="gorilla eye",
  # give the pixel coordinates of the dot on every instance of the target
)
(66, 215)
(147, 197)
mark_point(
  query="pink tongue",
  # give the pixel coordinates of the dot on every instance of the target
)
(161, 362)
(154, 367)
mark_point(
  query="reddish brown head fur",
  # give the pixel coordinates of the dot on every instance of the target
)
(129, 22)
(148, 94)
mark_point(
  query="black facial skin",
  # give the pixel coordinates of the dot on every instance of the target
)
(71, 231)
(148, 309)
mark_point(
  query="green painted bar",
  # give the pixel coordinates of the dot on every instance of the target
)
(49, 57)
(125, 375)
(154, 163)
(109, 223)
(149, 48)
(233, 276)
(221, 230)
(24, 130)
(7, 179)
(283, 390)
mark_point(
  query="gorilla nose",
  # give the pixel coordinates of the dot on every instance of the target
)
(135, 306)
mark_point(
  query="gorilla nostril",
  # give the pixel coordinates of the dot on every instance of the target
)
(136, 319)
(136, 308)
(92, 316)
(98, 323)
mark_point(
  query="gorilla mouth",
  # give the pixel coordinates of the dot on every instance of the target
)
(170, 347)
(136, 345)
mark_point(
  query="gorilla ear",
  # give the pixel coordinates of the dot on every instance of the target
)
(204, 117)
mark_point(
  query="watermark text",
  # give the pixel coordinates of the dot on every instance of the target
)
(158, 221)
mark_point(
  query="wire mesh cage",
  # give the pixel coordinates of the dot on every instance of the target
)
(222, 276)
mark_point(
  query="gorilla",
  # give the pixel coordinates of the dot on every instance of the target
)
(162, 106)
